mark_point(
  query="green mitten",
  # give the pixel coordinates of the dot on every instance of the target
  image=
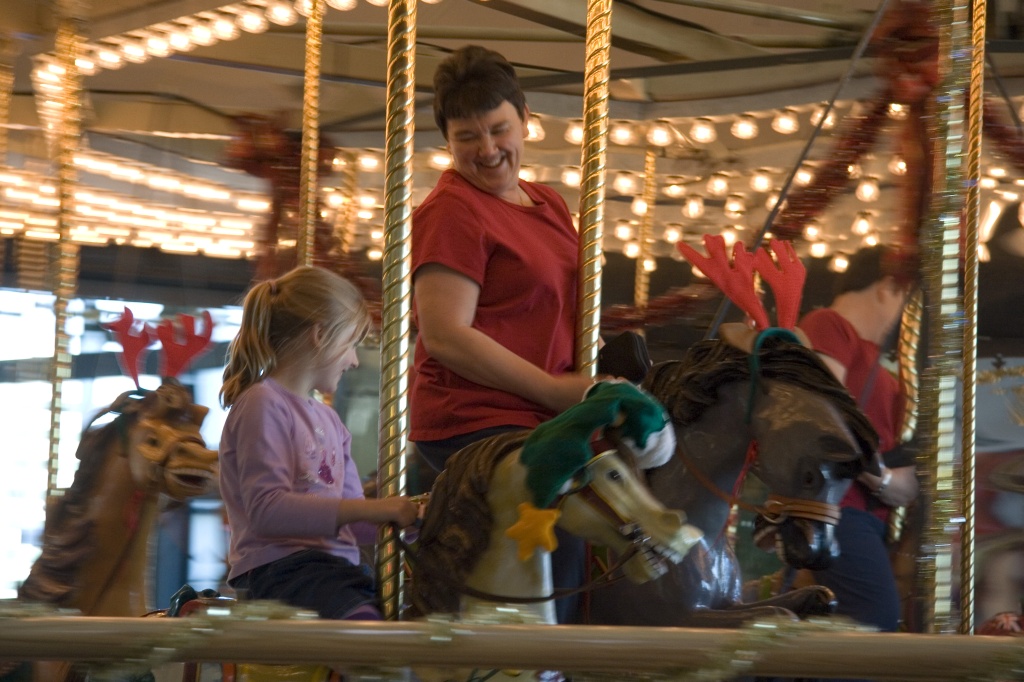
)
(560, 447)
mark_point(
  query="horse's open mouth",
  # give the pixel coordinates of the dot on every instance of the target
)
(190, 479)
(797, 542)
(657, 556)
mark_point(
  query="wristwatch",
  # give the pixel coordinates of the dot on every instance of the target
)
(886, 479)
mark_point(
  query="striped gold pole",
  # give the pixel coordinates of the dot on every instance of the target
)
(642, 277)
(397, 287)
(968, 482)
(69, 43)
(592, 186)
(345, 217)
(308, 213)
(908, 355)
(940, 265)
(7, 54)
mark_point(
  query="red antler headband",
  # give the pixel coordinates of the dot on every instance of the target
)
(784, 273)
(176, 354)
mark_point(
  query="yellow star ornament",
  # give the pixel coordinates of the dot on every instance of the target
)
(535, 528)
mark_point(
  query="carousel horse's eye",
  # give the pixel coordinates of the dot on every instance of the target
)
(152, 440)
(614, 475)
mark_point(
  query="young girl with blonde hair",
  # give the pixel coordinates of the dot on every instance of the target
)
(293, 497)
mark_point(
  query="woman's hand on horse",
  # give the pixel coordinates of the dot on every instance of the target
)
(570, 389)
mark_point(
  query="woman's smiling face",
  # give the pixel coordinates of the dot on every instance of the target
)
(487, 149)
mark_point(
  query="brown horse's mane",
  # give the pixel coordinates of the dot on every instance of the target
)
(689, 386)
(457, 525)
(69, 527)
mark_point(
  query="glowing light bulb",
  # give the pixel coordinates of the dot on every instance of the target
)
(225, 27)
(158, 45)
(867, 189)
(819, 112)
(180, 39)
(134, 51)
(861, 224)
(342, 5)
(252, 21)
(624, 183)
(703, 131)
(897, 111)
(673, 233)
(897, 166)
(786, 122)
(282, 13)
(761, 180)
(631, 250)
(718, 185)
(693, 207)
(368, 161)
(202, 33)
(528, 174)
(818, 249)
(735, 206)
(744, 127)
(660, 134)
(622, 133)
(440, 160)
(534, 129)
(638, 206)
(574, 132)
(674, 187)
(650, 265)
(623, 230)
(571, 176)
(839, 263)
(804, 176)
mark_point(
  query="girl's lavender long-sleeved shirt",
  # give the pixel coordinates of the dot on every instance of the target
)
(285, 461)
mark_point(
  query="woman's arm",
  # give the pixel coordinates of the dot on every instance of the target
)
(896, 487)
(446, 306)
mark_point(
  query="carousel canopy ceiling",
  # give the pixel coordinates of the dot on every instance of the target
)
(735, 87)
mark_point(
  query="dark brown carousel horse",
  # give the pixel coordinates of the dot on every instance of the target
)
(788, 422)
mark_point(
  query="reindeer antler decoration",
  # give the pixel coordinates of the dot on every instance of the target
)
(133, 345)
(784, 273)
(176, 355)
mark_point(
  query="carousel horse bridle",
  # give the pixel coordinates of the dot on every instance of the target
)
(776, 508)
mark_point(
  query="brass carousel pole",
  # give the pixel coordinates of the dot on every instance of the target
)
(968, 480)
(642, 277)
(345, 216)
(7, 54)
(592, 187)
(308, 213)
(940, 268)
(397, 288)
(69, 43)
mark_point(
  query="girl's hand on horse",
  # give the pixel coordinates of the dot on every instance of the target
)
(401, 511)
